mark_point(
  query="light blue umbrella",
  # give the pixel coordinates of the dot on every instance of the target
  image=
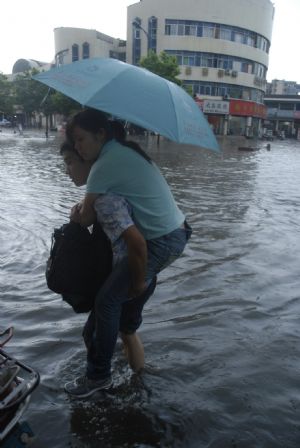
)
(133, 94)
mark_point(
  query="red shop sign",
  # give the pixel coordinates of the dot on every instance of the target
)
(247, 108)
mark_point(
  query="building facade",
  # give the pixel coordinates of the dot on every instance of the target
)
(23, 65)
(283, 115)
(222, 50)
(73, 44)
(282, 87)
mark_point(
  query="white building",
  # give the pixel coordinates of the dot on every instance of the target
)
(222, 49)
(73, 44)
(282, 87)
(24, 65)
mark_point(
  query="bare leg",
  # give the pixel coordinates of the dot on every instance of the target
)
(134, 351)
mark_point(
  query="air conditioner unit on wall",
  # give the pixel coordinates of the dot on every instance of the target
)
(188, 70)
(204, 71)
(234, 73)
(221, 73)
(227, 72)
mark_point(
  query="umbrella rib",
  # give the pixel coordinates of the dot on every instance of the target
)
(109, 81)
(174, 108)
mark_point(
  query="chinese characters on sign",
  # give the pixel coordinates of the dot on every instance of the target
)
(216, 107)
(247, 108)
(233, 107)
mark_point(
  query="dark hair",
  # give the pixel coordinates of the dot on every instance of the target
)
(118, 130)
(92, 120)
(68, 146)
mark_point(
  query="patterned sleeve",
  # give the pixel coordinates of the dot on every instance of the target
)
(114, 215)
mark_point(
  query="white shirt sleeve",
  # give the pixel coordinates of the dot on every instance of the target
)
(114, 215)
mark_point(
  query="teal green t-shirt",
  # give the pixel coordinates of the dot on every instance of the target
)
(123, 171)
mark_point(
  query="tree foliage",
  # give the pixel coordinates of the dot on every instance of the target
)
(31, 96)
(64, 105)
(163, 65)
(6, 96)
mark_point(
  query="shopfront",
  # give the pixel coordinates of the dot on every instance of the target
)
(233, 117)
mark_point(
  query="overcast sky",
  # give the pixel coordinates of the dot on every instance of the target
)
(26, 30)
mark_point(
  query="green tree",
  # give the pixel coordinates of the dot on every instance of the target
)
(29, 94)
(6, 96)
(56, 102)
(64, 105)
(33, 96)
(163, 65)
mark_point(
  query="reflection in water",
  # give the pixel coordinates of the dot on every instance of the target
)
(221, 332)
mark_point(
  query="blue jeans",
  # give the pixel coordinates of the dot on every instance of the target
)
(113, 296)
(130, 319)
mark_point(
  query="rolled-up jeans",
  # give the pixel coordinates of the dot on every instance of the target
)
(113, 295)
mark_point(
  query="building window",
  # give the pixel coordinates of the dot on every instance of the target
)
(250, 40)
(287, 106)
(152, 34)
(174, 27)
(225, 33)
(209, 31)
(201, 59)
(247, 67)
(190, 30)
(239, 37)
(85, 50)
(180, 29)
(75, 52)
(220, 89)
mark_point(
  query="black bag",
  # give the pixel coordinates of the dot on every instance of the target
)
(79, 263)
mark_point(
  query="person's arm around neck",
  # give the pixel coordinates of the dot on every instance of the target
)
(84, 212)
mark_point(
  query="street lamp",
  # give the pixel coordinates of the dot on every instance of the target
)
(59, 57)
(136, 24)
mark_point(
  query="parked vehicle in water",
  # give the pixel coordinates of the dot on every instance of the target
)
(268, 135)
(6, 123)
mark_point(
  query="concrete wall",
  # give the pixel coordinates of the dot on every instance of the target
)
(100, 44)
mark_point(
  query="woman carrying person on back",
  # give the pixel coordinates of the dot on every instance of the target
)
(78, 171)
(125, 188)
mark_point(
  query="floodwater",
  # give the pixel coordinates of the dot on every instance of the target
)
(222, 331)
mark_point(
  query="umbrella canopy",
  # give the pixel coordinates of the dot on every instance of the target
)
(133, 94)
